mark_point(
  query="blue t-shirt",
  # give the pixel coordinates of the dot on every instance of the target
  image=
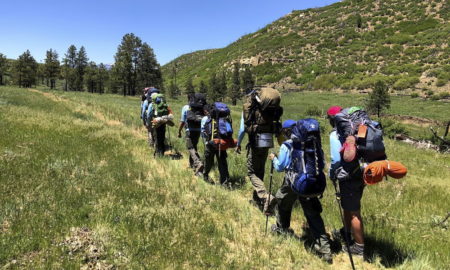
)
(183, 119)
(241, 133)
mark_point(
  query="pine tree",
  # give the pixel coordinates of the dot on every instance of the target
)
(222, 88)
(127, 63)
(3, 67)
(25, 70)
(90, 77)
(102, 78)
(41, 74)
(51, 68)
(68, 69)
(236, 85)
(173, 90)
(81, 64)
(213, 93)
(247, 80)
(203, 88)
(148, 69)
(378, 99)
(189, 87)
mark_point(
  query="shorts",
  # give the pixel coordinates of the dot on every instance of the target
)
(351, 194)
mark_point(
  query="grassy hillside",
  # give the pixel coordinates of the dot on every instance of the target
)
(348, 45)
(79, 188)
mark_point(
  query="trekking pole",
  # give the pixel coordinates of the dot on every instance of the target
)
(347, 241)
(270, 190)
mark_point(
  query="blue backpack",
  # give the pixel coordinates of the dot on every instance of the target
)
(219, 124)
(307, 159)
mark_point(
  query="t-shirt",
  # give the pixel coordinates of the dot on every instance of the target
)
(183, 119)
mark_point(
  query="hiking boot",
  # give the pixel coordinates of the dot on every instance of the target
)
(322, 248)
(349, 149)
(339, 235)
(281, 231)
(269, 206)
(208, 179)
(355, 249)
(199, 174)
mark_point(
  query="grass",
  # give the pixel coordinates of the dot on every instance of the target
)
(79, 187)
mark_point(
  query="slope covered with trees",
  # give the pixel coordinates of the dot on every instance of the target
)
(348, 45)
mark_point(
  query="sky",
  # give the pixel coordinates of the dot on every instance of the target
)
(170, 27)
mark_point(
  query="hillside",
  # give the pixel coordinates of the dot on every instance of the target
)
(347, 45)
(80, 189)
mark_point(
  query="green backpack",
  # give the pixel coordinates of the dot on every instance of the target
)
(160, 107)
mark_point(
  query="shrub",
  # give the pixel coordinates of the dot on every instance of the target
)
(313, 111)
(392, 127)
(405, 82)
(414, 95)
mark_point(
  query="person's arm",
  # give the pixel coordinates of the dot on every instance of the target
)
(150, 113)
(182, 120)
(283, 160)
(335, 147)
(202, 128)
(241, 134)
(143, 109)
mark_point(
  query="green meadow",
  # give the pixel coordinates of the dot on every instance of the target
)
(79, 188)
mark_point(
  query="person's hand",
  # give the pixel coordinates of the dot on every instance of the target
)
(238, 149)
(271, 156)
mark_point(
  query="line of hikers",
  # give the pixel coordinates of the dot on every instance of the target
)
(357, 157)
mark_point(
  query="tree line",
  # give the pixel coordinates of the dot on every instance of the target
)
(134, 68)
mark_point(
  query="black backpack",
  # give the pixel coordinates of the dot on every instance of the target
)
(371, 146)
(196, 113)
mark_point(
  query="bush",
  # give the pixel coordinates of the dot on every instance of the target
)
(392, 127)
(414, 95)
(405, 82)
(313, 111)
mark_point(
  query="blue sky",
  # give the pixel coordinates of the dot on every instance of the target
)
(170, 27)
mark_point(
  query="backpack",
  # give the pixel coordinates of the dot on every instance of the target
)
(369, 133)
(262, 112)
(219, 124)
(160, 107)
(305, 173)
(195, 113)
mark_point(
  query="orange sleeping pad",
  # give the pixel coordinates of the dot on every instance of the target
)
(375, 171)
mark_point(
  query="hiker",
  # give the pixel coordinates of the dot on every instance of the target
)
(146, 101)
(301, 157)
(260, 120)
(349, 177)
(191, 117)
(158, 116)
(217, 132)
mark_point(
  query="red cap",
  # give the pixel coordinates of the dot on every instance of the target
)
(333, 110)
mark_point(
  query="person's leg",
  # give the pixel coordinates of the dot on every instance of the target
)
(351, 194)
(209, 160)
(190, 148)
(151, 141)
(197, 162)
(312, 208)
(160, 138)
(223, 166)
(354, 221)
(255, 166)
(286, 198)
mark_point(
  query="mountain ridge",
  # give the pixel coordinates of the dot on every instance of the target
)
(347, 45)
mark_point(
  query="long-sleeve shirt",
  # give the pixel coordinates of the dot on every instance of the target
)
(283, 161)
(335, 147)
(202, 128)
(241, 133)
(144, 107)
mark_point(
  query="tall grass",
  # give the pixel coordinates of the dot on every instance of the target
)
(75, 162)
